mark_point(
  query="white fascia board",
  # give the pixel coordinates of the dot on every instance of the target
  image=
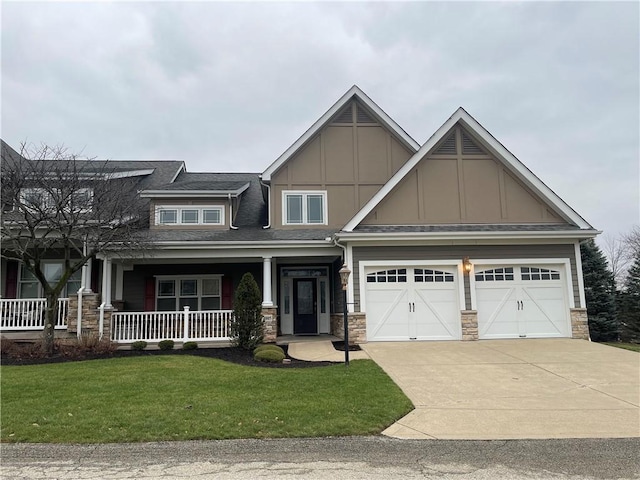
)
(181, 168)
(193, 193)
(128, 174)
(460, 115)
(453, 236)
(234, 253)
(306, 136)
(283, 244)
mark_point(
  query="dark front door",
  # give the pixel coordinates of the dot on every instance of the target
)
(305, 313)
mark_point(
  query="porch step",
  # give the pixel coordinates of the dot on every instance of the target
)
(321, 351)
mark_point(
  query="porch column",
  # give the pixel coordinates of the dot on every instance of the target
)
(266, 282)
(86, 275)
(106, 282)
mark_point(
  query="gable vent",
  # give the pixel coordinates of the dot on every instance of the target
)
(363, 116)
(468, 145)
(448, 147)
(345, 116)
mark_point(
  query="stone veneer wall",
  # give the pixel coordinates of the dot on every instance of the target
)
(357, 327)
(270, 319)
(579, 323)
(90, 315)
(469, 320)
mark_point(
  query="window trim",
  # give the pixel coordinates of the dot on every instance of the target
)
(76, 278)
(200, 209)
(305, 194)
(49, 203)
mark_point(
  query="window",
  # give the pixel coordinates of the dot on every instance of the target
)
(495, 275)
(429, 276)
(190, 215)
(534, 273)
(198, 293)
(304, 208)
(388, 276)
(78, 200)
(29, 287)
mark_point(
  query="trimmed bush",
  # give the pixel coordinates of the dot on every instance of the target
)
(246, 328)
(189, 346)
(139, 345)
(269, 355)
(166, 344)
(268, 346)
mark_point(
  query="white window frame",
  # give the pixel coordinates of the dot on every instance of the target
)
(76, 277)
(180, 208)
(177, 281)
(305, 214)
(48, 200)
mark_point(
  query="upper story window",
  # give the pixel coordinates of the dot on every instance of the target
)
(304, 208)
(42, 199)
(190, 215)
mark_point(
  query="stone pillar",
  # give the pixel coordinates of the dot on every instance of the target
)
(90, 322)
(270, 319)
(267, 301)
(357, 327)
(579, 323)
(469, 319)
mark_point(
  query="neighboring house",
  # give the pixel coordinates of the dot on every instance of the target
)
(455, 239)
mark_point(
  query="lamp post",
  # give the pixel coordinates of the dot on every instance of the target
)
(344, 279)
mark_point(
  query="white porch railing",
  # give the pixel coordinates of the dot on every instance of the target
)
(28, 314)
(182, 326)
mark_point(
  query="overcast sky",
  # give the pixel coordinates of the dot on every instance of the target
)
(230, 86)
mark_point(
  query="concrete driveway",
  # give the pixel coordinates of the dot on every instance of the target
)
(511, 389)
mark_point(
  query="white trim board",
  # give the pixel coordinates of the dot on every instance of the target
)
(507, 158)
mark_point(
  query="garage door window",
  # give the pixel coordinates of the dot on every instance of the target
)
(534, 273)
(388, 276)
(424, 275)
(495, 275)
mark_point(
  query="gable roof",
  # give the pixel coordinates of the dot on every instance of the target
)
(504, 155)
(354, 91)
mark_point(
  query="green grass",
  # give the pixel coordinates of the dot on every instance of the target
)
(635, 347)
(188, 397)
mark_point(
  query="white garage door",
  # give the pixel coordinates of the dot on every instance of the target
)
(521, 301)
(410, 303)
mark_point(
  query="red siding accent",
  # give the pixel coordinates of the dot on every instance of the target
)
(227, 292)
(149, 294)
(11, 287)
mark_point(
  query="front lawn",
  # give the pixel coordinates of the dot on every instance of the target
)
(635, 347)
(186, 397)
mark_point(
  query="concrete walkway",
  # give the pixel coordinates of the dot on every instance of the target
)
(513, 389)
(321, 351)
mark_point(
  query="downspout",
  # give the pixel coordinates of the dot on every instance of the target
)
(268, 225)
(345, 261)
(231, 225)
(79, 312)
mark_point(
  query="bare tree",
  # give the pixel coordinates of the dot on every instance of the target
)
(619, 256)
(56, 204)
(632, 241)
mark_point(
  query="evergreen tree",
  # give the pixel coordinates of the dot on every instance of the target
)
(630, 304)
(247, 328)
(599, 286)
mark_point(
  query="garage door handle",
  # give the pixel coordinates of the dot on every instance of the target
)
(412, 307)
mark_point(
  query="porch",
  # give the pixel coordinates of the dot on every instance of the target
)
(28, 314)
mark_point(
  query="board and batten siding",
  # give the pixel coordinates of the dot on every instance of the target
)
(397, 254)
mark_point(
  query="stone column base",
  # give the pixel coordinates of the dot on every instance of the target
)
(357, 327)
(469, 319)
(270, 320)
(579, 323)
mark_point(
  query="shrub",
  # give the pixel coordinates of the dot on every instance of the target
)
(85, 346)
(139, 345)
(268, 346)
(20, 350)
(246, 329)
(189, 346)
(166, 344)
(269, 355)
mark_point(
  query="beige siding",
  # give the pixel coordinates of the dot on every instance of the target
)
(351, 162)
(461, 188)
(456, 253)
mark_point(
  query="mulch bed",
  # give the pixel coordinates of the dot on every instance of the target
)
(229, 354)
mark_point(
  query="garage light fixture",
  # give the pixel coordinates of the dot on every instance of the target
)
(466, 264)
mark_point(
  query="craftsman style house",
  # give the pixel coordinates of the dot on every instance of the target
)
(452, 240)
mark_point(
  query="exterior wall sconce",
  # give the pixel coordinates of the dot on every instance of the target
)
(344, 279)
(466, 265)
